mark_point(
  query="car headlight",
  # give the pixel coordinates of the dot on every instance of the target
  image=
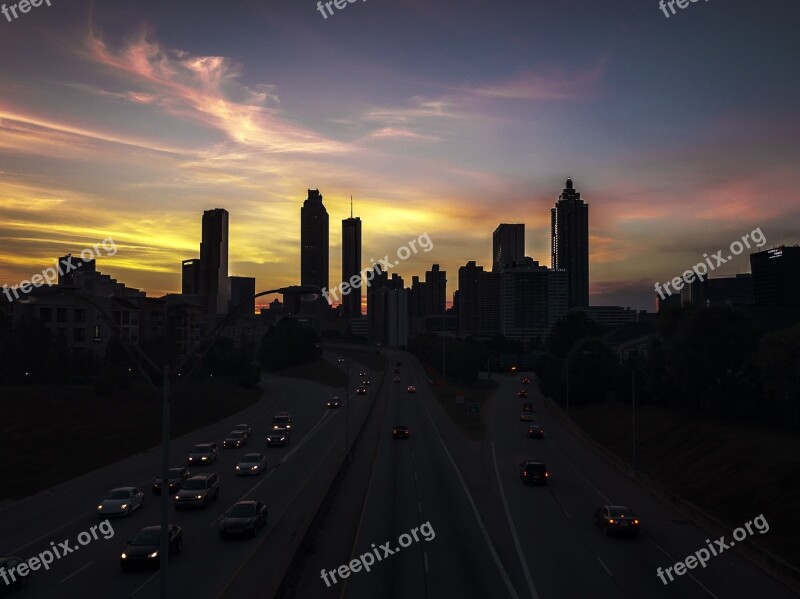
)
(124, 556)
(177, 496)
(123, 506)
(100, 507)
(204, 458)
(254, 468)
(152, 555)
(237, 467)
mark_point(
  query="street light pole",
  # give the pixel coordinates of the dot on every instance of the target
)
(165, 495)
(444, 354)
(633, 419)
(347, 413)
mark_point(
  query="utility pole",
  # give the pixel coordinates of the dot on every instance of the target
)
(165, 495)
(633, 418)
(347, 412)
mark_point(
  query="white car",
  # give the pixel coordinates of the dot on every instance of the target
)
(121, 502)
(251, 463)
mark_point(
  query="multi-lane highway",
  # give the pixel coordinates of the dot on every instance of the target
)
(443, 517)
(495, 537)
(207, 565)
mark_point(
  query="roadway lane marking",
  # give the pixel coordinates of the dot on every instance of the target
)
(419, 508)
(52, 532)
(604, 566)
(415, 476)
(511, 590)
(665, 552)
(144, 584)
(75, 572)
(307, 436)
(517, 546)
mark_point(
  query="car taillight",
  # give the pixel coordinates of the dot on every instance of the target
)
(611, 521)
(636, 521)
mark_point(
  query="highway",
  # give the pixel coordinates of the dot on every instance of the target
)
(495, 537)
(207, 563)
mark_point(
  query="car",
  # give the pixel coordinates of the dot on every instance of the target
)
(203, 453)
(400, 432)
(7, 564)
(122, 501)
(198, 491)
(340, 360)
(617, 519)
(279, 437)
(175, 478)
(526, 416)
(244, 518)
(361, 390)
(411, 389)
(245, 428)
(536, 431)
(365, 382)
(282, 420)
(527, 407)
(235, 439)
(142, 550)
(534, 472)
(522, 393)
(251, 463)
(334, 402)
(396, 379)
(526, 381)
(362, 374)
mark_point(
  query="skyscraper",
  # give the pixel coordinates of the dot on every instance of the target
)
(508, 245)
(468, 303)
(213, 279)
(351, 262)
(436, 291)
(569, 238)
(314, 241)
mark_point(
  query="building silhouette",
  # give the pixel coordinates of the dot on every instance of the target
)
(351, 263)
(569, 238)
(243, 291)
(213, 280)
(776, 276)
(533, 298)
(435, 291)
(467, 298)
(508, 245)
(190, 277)
(314, 241)
(387, 310)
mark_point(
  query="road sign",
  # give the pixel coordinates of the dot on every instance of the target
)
(473, 407)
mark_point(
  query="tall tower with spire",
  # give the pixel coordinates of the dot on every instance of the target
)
(314, 241)
(351, 263)
(569, 244)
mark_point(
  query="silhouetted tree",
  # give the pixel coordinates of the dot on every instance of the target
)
(288, 343)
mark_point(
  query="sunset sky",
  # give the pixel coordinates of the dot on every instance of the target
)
(129, 119)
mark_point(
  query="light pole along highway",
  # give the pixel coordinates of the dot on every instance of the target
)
(306, 293)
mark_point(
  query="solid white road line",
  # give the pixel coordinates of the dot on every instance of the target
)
(76, 571)
(517, 546)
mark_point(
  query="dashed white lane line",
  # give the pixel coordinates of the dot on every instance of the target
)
(76, 572)
(604, 566)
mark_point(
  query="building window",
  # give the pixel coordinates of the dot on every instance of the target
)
(80, 314)
(78, 335)
(61, 315)
(46, 314)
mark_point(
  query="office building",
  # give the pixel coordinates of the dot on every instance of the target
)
(190, 277)
(213, 281)
(467, 299)
(776, 276)
(351, 263)
(508, 245)
(314, 241)
(243, 290)
(435, 295)
(569, 238)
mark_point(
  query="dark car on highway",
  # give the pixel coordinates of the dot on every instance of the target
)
(616, 519)
(400, 432)
(282, 420)
(534, 472)
(361, 390)
(8, 563)
(522, 394)
(334, 402)
(245, 518)
(198, 491)
(279, 437)
(203, 454)
(245, 428)
(235, 439)
(176, 477)
(142, 550)
(526, 381)
(536, 431)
